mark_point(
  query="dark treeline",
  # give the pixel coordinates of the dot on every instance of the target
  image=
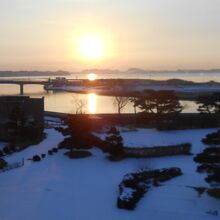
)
(166, 102)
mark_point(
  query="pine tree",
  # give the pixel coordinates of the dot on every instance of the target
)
(210, 163)
(114, 142)
(209, 104)
(159, 102)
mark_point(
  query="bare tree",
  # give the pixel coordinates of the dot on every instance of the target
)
(134, 99)
(80, 105)
(120, 102)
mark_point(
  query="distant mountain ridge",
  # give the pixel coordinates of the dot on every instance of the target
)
(8, 73)
(33, 73)
(143, 71)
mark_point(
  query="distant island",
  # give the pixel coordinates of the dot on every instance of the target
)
(33, 73)
(185, 90)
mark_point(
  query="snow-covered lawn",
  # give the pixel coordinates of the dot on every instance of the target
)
(152, 137)
(86, 189)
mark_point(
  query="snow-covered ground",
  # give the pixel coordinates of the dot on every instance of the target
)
(152, 137)
(86, 189)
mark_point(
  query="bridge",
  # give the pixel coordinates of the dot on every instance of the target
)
(23, 82)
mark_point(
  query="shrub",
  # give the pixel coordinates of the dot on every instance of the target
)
(50, 152)
(7, 150)
(207, 158)
(78, 154)
(55, 150)
(211, 150)
(72, 143)
(215, 192)
(12, 147)
(3, 163)
(129, 197)
(114, 141)
(62, 145)
(135, 185)
(206, 167)
(1, 154)
(36, 158)
(215, 177)
(212, 138)
(43, 155)
(116, 157)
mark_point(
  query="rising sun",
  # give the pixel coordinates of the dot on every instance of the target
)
(91, 46)
(91, 76)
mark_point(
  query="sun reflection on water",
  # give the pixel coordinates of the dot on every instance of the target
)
(92, 99)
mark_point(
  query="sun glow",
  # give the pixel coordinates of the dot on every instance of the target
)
(92, 103)
(92, 76)
(91, 46)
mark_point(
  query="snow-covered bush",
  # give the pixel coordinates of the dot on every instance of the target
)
(77, 154)
(36, 158)
(134, 185)
(207, 158)
(7, 150)
(55, 150)
(114, 143)
(210, 163)
(215, 192)
(129, 197)
(3, 163)
(212, 138)
(50, 152)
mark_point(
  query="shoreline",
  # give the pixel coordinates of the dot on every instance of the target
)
(182, 95)
(185, 90)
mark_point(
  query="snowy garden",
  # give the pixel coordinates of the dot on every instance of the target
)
(89, 188)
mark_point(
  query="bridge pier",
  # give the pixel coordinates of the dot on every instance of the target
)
(22, 83)
(21, 89)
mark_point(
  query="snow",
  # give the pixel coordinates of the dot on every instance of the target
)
(59, 188)
(127, 193)
(128, 177)
(52, 119)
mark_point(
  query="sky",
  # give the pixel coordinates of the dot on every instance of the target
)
(148, 34)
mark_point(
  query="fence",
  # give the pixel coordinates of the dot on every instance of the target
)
(12, 166)
(51, 123)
